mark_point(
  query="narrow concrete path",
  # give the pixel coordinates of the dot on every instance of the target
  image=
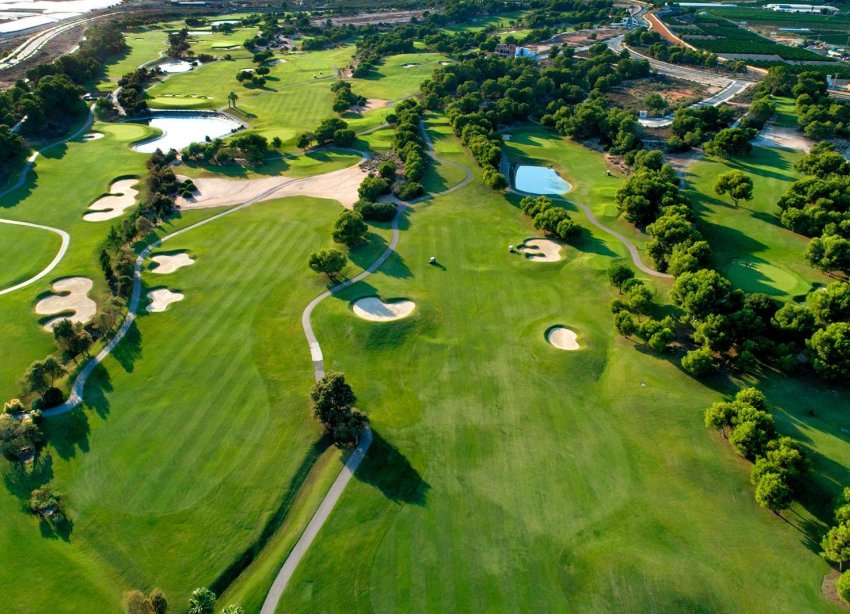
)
(63, 248)
(326, 507)
(66, 238)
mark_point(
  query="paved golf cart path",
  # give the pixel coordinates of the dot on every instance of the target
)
(335, 492)
(66, 238)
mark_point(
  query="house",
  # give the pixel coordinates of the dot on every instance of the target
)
(838, 84)
(513, 51)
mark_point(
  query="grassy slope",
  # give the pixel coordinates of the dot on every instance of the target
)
(26, 251)
(507, 472)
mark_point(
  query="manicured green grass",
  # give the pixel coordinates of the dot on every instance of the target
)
(749, 243)
(168, 489)
(26, 251)
(391, 80)
(145, 45)
(506, 472)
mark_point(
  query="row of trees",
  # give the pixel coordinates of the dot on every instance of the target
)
(656, 47)
(344, 98)
(131, 95)
(251, 147)
(332, 130)
(780, 466)
(550, 219)
(409, 147)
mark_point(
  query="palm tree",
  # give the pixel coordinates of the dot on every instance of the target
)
(232, 97)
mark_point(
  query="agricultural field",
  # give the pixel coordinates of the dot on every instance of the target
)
(721, 36)
(521, 453)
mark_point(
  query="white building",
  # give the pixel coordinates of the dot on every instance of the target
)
(801, 8)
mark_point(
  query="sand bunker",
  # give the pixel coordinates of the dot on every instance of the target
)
(71, 299)
(409, 65)
(275, 62)
(446, 63)
(168, 263)
(371, 104)
(541, 250)
(92, 136)
(374, 309)
(217, 192)
(122, 196)
(562, 338)
(160, 299)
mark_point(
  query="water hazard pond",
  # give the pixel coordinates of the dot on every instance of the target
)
(182, 129)
(540, 180)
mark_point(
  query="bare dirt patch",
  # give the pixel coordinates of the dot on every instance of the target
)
(375, 310)
(371, 105)
(71, 299)
(780, 136)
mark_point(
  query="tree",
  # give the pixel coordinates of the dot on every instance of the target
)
(829, 253)
(305, 139)
(701, 293)
(735, 183)
(233, 609)
(371, 188)
(618, 274)
(721, 415)
(333, 406)
(830, 304)
(47, 505)
(835, 545)
(159, 604)
(135, 602)
(830, 350)
(773, 493)
(202, 601)
(730, 142)
(349, 228)
(276, 142)
(328, 261)
(232, 97)
(698, 362)
(71, 338)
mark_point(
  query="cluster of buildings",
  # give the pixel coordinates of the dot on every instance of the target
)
(820, 9)
(514, 51)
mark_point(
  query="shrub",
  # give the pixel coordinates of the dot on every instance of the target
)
(376, 212)
(698, 362)
(373, 187)
(408, 190)
(13, 407)
(842, 585)
(349, 228)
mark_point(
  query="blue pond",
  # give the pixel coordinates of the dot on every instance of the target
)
(540, 180)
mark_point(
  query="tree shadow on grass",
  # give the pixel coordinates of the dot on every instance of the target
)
(60, 529)
(129, 349)
(68, 432)
(21, 479)
(365, 255)
(97, 387)
(388, 470)
(276, 520)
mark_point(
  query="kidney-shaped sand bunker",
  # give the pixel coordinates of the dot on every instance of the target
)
(374, 309)
(562, 338)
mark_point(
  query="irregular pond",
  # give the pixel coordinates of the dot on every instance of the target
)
(182, 129)
(540, 180)
(175, 66)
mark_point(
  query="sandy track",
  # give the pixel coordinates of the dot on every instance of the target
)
(338, 185)
(786, 138)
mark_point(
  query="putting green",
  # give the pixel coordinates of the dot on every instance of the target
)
(762, 277)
